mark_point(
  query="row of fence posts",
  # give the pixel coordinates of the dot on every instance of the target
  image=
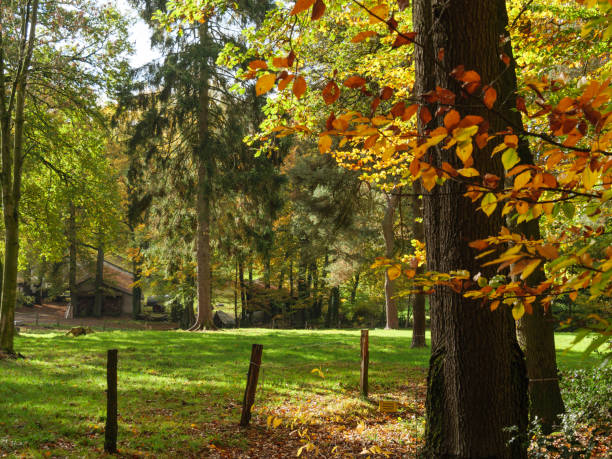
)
(110, 432)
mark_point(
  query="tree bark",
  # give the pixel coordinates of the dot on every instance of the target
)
(354, 288)
(392, 320)
(72, 262)
(418, 308)
(243, 296)
(535, 331)
(11, 171)
(476, 382)
(204, 318)
(99, 292)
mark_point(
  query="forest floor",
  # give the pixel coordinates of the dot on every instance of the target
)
(180, 394)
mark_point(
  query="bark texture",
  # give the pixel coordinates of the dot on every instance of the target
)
(204, 318)
(476, 382)
(72, 262)
(99, 293)
(418, 308)
(392, 320)
(535, 331)
(12, 163)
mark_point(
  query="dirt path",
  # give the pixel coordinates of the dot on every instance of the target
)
(53, 315)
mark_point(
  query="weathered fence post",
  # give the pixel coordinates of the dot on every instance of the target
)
(251, 387)
(37, 319)
(110, 432)
(365, 358)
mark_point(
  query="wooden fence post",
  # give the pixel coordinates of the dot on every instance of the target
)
(110, 432)
(365, 358)
(37, 319)
(251, 387)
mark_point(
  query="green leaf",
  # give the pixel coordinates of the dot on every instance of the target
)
(510, 158)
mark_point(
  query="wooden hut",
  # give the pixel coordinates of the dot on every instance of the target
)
(116, 287)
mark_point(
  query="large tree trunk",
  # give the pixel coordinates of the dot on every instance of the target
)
(476, 382)
(72, 262)
(392, 320)
(99, 292)
(204, 319)
(535, 331)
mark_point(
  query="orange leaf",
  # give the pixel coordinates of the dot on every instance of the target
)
(451, 119)
(331, 92)
(280, 62)
(301, 5)
(494, 305)
(325, 143)
(299, 86)
(258, 64)
(265, 83)
(425, 115)
(317, 10)
(398, 109)
(354, 82)
(284, 82)
(378, 13)
(511, 141)
(409, 112)
(490, 96)
(362, 36)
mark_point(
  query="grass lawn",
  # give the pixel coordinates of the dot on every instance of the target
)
(180, 393)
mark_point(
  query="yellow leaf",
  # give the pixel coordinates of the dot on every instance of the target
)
(488, 203)
(394, 272)
(277, 422)
(265, 83)
(518, 310)
(469, 172)
(325, 142)
(464, 150)
(531, 266)
(589, 178)
(318, 371)
(521, 180)
(379, 11)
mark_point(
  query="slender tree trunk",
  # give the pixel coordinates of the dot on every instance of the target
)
(243, 297)
(267, 271)
(392, 320)
(354, 289)
(418, 308)
(12, 162)
(476, 382)
(137, 291)
(281, 278)
(236, 317)
(291, 278)
(535, 331)
(99, 292)
(204, 319)
(72, 263)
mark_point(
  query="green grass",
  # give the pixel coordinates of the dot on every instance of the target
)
(180, 392)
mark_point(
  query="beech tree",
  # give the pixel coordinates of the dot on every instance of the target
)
(39, 72)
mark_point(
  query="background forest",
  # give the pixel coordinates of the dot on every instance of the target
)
(438, 166)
